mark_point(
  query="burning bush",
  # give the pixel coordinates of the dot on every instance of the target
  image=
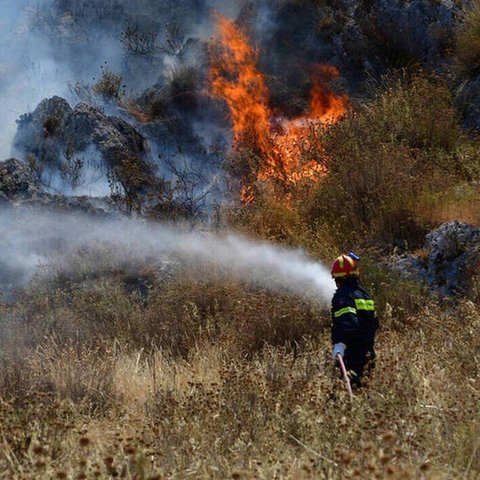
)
(274, 143)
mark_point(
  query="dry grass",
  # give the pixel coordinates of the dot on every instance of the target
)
(383, 158)
(461, 203)
(467, 52)
(228, 395)
(109, 85)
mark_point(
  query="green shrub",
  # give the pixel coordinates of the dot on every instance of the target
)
(398, 301)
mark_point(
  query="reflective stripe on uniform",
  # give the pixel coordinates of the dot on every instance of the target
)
(363, 304)
(343, 311)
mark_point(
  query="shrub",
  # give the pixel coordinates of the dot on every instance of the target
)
(137, 41)
(109, 85)
(466, 55)
(381, 158)
(190, 312)
(157, 108)
(101, 295)
(50, 125)
(130, 179)
(397, 301)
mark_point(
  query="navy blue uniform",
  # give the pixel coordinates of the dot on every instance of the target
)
(354, 323)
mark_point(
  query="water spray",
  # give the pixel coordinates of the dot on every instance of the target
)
(30, 239)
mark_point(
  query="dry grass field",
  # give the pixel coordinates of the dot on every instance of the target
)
(217, 380)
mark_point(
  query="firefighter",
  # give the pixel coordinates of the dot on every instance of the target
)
(354, 320)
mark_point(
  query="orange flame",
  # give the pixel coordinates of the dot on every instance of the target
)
(235, 78)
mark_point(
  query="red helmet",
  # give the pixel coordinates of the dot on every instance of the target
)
(345, 266)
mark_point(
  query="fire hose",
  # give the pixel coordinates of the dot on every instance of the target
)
(345, 375)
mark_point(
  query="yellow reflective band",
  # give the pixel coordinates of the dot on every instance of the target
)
(343, 311)
(349, 259)
(344, 274)
(363, 304)
(340, 261)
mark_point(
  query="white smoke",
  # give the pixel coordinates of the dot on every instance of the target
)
(27, 72)
(51, 47)
(30, 238)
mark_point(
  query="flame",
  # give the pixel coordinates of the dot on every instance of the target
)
(326, 106)
(235, 78)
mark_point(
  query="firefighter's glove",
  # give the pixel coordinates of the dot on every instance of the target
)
(338, 349)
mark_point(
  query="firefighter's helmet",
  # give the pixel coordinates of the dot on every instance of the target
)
(345, 266)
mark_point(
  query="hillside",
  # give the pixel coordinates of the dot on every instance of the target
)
(177, 178)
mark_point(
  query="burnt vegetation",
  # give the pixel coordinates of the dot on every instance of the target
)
(112, 369)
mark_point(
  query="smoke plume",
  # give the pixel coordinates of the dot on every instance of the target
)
(28, 72)
(49, 46)
(31, 239)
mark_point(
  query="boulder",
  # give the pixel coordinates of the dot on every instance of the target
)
(468, 102)
(21, 189)
(410, 267)
(65, 142)
(451, 261)
(39, 133)
(17, 180)
(453, 257)
(114, 138)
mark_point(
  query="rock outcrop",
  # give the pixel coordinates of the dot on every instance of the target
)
(17, 180)
(21, 188)
(451, 262)
(65, 141)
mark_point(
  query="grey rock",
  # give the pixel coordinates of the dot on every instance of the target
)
(409, 267)
(452, 261)
(21, 189)
(113, 137)
(420, 28)
(17, 180)
(468, 101)
(39, 133)
(381, 34)
(56, 136)
(454, 257)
